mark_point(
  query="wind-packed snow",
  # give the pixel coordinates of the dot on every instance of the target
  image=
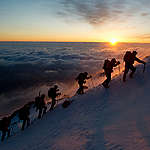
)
(117, 118)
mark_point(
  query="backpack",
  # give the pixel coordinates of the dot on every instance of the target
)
(127, 56)
(41, 103)
(4, 123)
(21, 114)
(37, 101)
(106, 62)
(24, 112)
(80, 77)
(50, 92)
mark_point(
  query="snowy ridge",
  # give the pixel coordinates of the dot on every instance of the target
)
(103, 119)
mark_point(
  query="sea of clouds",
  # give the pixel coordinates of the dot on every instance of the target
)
(28, 67)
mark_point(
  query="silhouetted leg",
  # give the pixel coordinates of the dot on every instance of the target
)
(125, 72)
(81, 88)
(53, 104)
(106, 82)
(44, 111)
(133, 71)
(3, 135)
(23, 125)
(28, 122)
(78, 91)
(36, 109)
(40, 113)
(8, 133)
(108, 78)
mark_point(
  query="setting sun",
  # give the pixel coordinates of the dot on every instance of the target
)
(113, 41)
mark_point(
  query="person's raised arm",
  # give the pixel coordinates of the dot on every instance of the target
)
(117, 63)
(89, 77)
(139, 61)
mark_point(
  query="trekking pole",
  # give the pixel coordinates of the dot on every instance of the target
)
(119, 69)
(39, 93)
(144, 68)
(119, 72)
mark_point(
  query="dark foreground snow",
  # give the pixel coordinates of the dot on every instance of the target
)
(117, 118)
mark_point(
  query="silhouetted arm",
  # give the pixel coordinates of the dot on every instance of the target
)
(139, 61)
(116, 64)
(57, 90)
(88, 77)
(58, 94)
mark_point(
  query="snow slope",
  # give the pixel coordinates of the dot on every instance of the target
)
(117, 118)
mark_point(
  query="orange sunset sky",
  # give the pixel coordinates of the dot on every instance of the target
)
(75, 20)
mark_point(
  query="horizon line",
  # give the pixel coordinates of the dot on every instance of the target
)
(76, 42)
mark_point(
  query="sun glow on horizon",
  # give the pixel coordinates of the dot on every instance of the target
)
(113, 41)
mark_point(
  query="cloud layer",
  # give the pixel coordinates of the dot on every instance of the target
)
(97, 12)
(33, 64)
